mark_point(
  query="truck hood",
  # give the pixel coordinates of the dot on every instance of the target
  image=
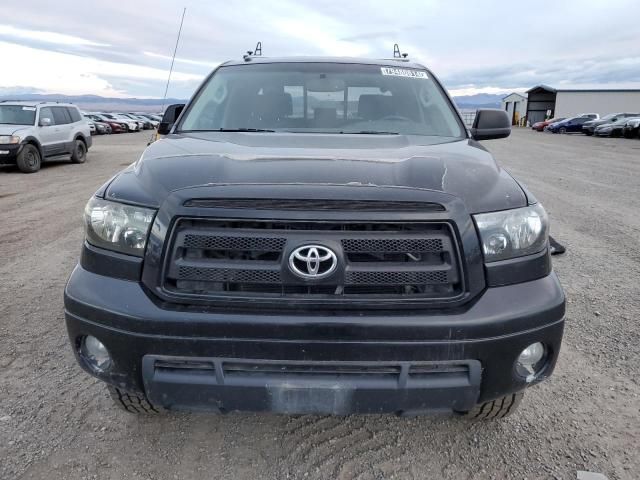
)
(462, 168)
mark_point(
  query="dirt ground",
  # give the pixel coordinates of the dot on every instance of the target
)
(58, 423)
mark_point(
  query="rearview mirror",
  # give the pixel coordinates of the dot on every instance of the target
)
(171, 115)
(45, 122)
(491, 123)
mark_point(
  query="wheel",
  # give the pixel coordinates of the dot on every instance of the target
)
(132, 402)
(29, 160)
(563, 130)
(495, 409)
(79, 154)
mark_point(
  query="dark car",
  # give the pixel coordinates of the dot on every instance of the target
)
(317, 236)
(101, 128)
(589, 128)
(613, 128)
(632, 128)
(115, 127)
(540, 126)
(569, 125)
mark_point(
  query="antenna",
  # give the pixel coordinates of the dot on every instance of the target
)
(173, 59)
(253, 53)
(401, 57)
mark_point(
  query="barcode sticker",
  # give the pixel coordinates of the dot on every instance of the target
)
(404, 72)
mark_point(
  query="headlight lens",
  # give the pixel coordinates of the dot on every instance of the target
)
(116, 226)
(9, 139)
(513, 233)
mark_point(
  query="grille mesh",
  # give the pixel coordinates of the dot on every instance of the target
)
(265, 244)
(397, 278)
(228, 275)
(410, 245)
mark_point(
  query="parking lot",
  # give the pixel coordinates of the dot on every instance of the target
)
(58, 423)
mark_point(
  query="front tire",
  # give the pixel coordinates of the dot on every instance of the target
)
(132, 402)
(29, 160)
(79, 154)
(563, 130)
(495, 409)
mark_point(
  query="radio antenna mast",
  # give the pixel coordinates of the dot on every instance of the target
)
(173, 59)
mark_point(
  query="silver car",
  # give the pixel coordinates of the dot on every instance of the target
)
(32, 132)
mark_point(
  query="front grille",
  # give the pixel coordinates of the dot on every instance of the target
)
(239, 259)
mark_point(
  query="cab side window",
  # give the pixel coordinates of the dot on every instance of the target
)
(61, 116)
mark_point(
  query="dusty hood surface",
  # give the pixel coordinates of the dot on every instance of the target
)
(462, 168)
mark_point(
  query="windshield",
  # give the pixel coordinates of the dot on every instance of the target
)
(17, 115)
(323, 98)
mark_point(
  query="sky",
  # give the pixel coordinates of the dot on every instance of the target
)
(123, 49)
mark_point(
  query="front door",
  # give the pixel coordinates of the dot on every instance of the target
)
(50, 133)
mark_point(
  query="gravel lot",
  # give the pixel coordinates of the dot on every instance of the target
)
(58, 423)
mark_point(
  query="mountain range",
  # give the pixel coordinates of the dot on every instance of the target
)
(98, 103)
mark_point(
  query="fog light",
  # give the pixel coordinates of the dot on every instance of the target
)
(95, 354)
(531, 360)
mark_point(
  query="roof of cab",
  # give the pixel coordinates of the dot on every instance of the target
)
(384, 62)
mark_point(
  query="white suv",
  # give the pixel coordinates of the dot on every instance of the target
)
(32, 132)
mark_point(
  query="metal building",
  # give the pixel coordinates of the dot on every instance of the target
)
(541, 104)
(516, 107)
(574, 102)
(545, 101)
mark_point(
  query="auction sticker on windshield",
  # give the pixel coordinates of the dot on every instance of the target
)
(403, 72)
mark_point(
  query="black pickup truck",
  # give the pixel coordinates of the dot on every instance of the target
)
(317, 235)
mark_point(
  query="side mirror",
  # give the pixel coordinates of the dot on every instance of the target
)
(491, 123)
(45, 122)
(171, 115)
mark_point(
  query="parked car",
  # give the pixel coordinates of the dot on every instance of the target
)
(102, 128)
(33, 132)
(632, 128)
(132, 125)
(149, 118)
(590, 116)
(612, 129)
(259, 259)
(115, 125)
(588, 128)
(153, 118)
(144, 123)
(98, 127)
(540, 126)
(141, 123)
(568, 125)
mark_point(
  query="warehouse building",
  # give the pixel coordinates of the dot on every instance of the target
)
(545, 101)
(516, 107)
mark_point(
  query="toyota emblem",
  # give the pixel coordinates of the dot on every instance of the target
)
(313, 261)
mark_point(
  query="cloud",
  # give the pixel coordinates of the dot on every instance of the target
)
(490, 46)
(47, 37)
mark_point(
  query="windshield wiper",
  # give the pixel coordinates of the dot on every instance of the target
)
(370, 132)
(240, 130)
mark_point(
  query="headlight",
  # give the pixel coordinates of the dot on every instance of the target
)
(513, 233)
(6, 139)
(116, 226)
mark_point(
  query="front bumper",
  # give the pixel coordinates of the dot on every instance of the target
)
(9, 152)
(300, 363)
